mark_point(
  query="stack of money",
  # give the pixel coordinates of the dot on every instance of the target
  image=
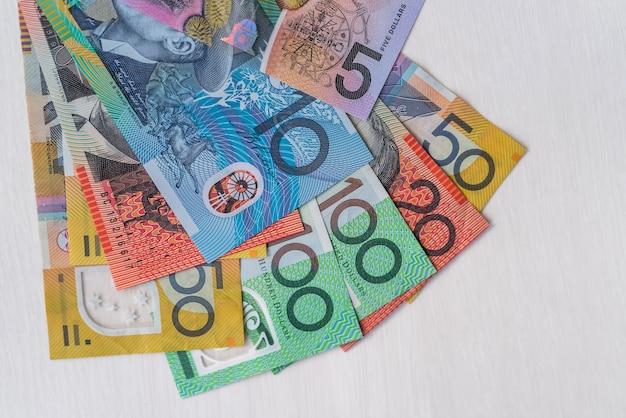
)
(242, 184)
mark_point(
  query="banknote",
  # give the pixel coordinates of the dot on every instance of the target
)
(86, 316)
(295, 305)
(46, 144)
(230, 152)
(83, 235)
(340, 51)
(201, 19)
(379, 256)
(130, 203)
(472, 151)
(134, 250)
(442, 219)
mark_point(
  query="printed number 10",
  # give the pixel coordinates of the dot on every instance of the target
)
(350, 65)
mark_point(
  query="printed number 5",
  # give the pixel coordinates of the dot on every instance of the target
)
(349, 65)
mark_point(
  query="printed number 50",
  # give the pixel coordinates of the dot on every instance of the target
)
(350, 65)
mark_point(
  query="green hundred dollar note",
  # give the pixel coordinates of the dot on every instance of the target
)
(295, 305)
(378, 254)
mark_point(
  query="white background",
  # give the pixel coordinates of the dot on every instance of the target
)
(528, 322)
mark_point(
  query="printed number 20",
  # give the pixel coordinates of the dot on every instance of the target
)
(350, 65)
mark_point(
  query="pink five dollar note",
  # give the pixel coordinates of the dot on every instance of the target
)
(337, 52)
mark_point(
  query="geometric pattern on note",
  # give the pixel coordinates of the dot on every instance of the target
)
(140, 235)
(379, 255)
(83, 236)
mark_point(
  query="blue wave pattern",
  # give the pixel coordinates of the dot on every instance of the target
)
(236, 120)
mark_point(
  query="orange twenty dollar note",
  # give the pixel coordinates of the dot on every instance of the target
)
(142, 236)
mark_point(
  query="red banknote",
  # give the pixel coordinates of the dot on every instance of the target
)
(141, 236)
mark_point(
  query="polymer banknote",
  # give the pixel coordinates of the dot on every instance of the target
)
(143, 238)
(473, 152)
(85, 237)
(295, 305)
(86, 315)
(46, 144)
(378, 254)
(441, 218)
(203, 19)
(340, 51)
(230, 152)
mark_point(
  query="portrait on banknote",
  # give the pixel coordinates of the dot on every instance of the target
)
(141, 41)
(223, 143)
(379, 140)
(160, 67)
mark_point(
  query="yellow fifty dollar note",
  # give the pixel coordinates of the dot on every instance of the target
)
(472, 151)
(196, 308)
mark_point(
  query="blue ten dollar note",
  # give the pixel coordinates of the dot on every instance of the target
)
(378, 254)
(232, 152)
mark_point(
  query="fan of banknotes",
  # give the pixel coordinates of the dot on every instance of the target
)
(242, 184)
